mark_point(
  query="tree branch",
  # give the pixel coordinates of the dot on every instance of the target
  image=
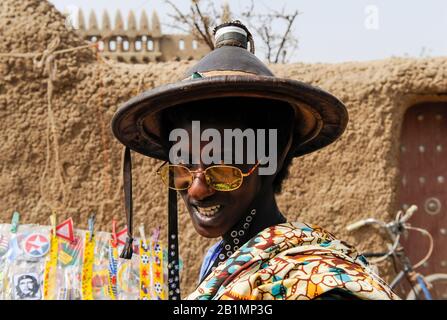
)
(198, 29)
(286, 34)
(278, 42)
(205, 23)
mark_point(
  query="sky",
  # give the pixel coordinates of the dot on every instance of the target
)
(327, 30)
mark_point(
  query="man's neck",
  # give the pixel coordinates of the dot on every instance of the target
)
(267, 213)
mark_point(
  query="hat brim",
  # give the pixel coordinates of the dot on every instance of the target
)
(320, 117)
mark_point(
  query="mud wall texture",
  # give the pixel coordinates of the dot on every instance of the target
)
(62, 156)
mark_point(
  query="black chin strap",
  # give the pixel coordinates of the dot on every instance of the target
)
(127, 175)
(173, 258)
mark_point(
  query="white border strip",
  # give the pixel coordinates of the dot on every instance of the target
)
(228, 29)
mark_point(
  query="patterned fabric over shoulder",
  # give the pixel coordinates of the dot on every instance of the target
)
(294, 261)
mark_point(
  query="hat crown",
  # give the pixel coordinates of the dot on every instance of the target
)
(230, 53)
(232, 33)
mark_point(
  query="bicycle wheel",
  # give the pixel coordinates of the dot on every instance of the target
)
(437, 285)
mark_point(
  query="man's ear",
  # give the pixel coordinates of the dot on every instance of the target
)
(285, 152)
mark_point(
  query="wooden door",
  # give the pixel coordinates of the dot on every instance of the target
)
(423, 165)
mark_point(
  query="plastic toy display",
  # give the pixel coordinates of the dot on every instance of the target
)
(63, 263)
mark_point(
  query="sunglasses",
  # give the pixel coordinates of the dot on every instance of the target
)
(219, 177)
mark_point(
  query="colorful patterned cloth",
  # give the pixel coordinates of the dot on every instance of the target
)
(293, 261)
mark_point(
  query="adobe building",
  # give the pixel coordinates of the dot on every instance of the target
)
(58, 153)
(138, 43)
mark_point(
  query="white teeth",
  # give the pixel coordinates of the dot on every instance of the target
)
(208, 211)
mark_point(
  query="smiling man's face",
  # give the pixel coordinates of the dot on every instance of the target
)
(214, 213)
(192, 128)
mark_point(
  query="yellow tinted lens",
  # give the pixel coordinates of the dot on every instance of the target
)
(176, 177)
(224, 178)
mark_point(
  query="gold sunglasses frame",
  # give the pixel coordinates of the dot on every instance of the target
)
(194, 172)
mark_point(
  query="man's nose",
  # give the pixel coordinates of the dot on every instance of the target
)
(199, 189)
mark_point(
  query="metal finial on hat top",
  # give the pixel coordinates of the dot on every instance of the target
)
(233, 33)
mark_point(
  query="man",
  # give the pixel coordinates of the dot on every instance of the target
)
(228, 133)
(27, 287)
